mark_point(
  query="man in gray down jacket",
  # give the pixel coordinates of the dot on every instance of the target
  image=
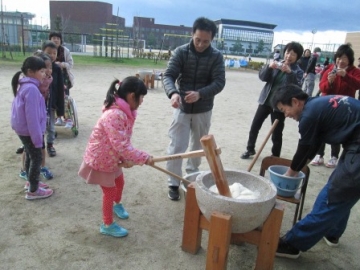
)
(194, 75)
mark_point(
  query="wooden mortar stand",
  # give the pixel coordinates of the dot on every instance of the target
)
(265, 238)
(217, 170)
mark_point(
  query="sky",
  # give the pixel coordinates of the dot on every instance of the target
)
(295, 19)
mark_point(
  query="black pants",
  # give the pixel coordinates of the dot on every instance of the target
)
(262, 112)
(33, 158)
(335, 150)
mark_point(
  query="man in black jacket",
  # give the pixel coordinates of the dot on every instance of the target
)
(198, 70)
(330, 119)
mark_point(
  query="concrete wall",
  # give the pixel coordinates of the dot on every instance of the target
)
(354, 39)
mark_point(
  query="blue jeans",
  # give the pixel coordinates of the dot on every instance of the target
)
(325, 219)
(50, 128)
(309, 84)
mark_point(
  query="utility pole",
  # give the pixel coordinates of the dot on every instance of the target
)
(22, 33)
(3, 40)
(117, 46)
(312, 42)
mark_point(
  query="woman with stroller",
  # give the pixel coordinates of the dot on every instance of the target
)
(65, 61)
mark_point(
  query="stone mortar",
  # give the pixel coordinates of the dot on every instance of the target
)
(247, 214)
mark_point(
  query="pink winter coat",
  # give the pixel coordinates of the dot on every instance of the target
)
(109, 141)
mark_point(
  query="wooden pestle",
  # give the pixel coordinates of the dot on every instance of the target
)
(263, 144)
(192, 154)
(217, 170)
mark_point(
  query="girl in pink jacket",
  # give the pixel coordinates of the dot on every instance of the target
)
(109, 148)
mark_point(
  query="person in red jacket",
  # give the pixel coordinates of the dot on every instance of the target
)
(340, 78)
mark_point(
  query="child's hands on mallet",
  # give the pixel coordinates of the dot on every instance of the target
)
(126, 164)
(129, 164)
(150, 161)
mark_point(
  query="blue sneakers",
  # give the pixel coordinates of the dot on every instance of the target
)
(113, 230)
(44, 171)
(23, 174)
(120, 211)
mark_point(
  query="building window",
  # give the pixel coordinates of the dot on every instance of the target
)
(247, 35)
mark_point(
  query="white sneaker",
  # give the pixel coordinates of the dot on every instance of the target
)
(332, 162)
(59, 122)
(69, 124)
(318, 160)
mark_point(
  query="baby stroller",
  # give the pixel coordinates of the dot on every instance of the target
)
(71, 116)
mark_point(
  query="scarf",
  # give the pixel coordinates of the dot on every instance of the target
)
(60, 54)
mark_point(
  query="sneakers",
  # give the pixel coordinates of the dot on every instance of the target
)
(113, 230)
(318, 160)
(23, 174)
(120, 211)
(40, 193)
(41, 185)
(44, 171)
(174, 193)
(59, 122)
(51, 150)
(331, 241)
(69, 124)
(247, 154)
(20, 150)
(284, 250)
(332, 162)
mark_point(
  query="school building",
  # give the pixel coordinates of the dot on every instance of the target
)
(15, 28)
(245, 36)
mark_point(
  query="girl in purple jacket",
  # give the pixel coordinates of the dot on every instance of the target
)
(109, 148)
(28, 120)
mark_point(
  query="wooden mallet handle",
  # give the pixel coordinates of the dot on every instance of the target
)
(192, 154)
(164, 171)
(217, 170)
(171, 174)
(263, 144)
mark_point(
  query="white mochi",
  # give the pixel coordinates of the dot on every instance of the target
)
(238, 191)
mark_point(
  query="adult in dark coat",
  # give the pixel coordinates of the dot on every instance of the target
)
(199, 72)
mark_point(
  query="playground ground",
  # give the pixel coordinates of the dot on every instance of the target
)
(62, 232)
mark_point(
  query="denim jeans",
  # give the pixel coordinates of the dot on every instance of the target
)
(332, 207)
(309, 84)
(50, 128)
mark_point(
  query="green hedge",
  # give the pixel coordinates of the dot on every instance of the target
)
(255, 65)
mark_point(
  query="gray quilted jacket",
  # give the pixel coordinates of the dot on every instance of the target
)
(267, 74)
(192, 71)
